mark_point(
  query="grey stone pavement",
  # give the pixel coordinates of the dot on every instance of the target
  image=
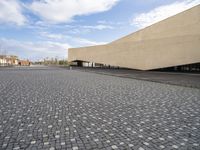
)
(55, 108)
(173, 78)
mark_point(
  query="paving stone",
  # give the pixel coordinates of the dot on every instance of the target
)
(52, 108)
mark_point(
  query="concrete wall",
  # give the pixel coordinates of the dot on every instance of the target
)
(171, 42)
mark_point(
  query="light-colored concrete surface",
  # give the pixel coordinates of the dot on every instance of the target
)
(172, 42)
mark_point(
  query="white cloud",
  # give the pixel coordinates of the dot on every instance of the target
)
(104, 22)
(35, 50)
(99, 27)
(11, 12)
(85, 42)
(84, 29)
(160, 13)
(77, 41)
(52, 36)
(60, 11)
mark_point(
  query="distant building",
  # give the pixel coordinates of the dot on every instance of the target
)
(2, 60)
(8, 60)
(11, 60)
(14, 60)
(24, 63)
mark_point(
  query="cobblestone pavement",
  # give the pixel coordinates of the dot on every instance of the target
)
(174, 78)
(48, 108)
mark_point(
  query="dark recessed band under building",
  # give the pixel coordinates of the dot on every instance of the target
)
(171, 43)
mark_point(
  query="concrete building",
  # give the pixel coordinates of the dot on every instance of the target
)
(173, 42)
(8, 60)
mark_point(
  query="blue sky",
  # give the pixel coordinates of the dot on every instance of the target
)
(37, 29)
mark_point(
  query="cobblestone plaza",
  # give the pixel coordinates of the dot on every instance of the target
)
(53, 108)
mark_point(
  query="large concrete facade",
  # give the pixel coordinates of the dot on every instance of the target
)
(172, 42)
